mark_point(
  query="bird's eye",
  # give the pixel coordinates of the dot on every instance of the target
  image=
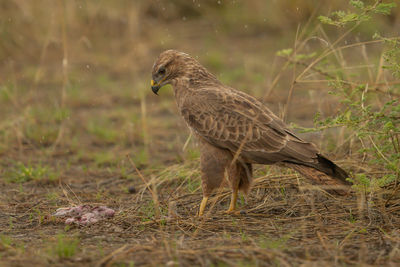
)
(161, 71)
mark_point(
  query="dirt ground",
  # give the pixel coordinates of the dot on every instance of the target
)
(80, 125)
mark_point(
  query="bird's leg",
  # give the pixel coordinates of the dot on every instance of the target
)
(232, 205)
(203, 206)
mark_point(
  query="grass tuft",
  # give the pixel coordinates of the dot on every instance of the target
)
(65, 247)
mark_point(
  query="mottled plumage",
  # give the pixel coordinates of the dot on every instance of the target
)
(236, 130)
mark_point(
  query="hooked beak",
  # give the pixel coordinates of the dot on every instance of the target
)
(155, 87)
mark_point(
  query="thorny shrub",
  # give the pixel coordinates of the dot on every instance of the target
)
(372, 124)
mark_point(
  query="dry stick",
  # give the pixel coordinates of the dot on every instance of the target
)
(284, 67)
(308, 23)
(65, 192)
(73, 193)
(14, 99)
(380, 69)
(152, 191)
(337, 53)
(268, 82)
(187, 141)
(377, 149)
(339, 49)
(365, 56)
(19, 136)
(323, 73)
(38, 72)
(65, 75)
(107, 260)
(375, 87)
(339, 57)
(397, 187)
(380, 73)
(275, 81)
(351, 67)
(143, 109)
(32, 88)
(311, 65)
(370, 74)
(289, 97)
(328, 52)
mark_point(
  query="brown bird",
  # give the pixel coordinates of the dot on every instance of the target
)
(234, 130)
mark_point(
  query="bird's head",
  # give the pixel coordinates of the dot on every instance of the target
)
(168, 66)
(172, 66)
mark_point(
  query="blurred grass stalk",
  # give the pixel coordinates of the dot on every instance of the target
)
(145, 133)
(62, 8)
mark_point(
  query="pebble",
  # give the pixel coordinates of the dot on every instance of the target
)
(132, 190)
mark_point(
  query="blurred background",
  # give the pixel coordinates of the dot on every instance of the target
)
(75, 74)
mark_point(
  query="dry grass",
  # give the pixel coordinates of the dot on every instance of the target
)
(79, 125)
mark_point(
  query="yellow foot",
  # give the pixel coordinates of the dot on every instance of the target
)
(234, 212)
(230, 210)
(203, 206)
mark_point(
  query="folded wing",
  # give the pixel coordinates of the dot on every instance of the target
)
(238, 122)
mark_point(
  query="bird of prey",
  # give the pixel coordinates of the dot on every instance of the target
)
(234, 130)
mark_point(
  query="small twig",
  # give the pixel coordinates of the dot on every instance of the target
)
(146, 184)
(392, 194)
(377, 149)
(107, 260)
(289, 97)
(323, 73)
(187, 142)
(65, 75)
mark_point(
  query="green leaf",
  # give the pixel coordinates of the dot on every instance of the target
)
(384, 8)
(357, 3)
(305, 56)
(388, 126)
(284, 52)
(326, 20)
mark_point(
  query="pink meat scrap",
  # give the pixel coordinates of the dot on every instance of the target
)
(84, 214)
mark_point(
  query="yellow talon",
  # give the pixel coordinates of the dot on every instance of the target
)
(232, 205)
(152, 83)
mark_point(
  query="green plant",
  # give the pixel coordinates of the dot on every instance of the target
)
(103, 131)
(41, 125)
(352, 219)
(376, 127)
(193, 184)
(370, 115)
(52, 197)
(342, 18)
(141, 157)
(39, 214)
(274, 243)
(6, 92)
(105, 158)
(65, 247)
(22, 173)
(148, 211)
(5, 242)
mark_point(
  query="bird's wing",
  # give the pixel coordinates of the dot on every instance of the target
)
(233, 120)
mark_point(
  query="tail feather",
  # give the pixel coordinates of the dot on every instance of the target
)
(324, 172)
(331, 169)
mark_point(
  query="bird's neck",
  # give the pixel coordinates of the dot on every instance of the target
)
(182, 90)
(194, 80)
